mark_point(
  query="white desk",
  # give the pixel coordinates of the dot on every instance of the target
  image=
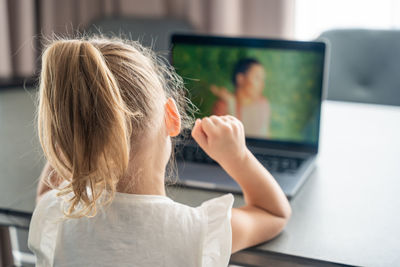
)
(347, 212)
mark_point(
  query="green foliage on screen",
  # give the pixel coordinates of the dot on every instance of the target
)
(292, 84)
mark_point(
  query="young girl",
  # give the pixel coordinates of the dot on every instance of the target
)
(107, 112)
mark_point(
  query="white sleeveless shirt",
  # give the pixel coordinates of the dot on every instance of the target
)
(134, 230)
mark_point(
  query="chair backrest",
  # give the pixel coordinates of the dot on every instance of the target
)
(151, 32)
(364, 66)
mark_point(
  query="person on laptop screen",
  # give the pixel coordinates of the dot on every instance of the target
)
(247, 103)
(274, 91)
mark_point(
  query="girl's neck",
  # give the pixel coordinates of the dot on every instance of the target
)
(146, 173)
(142, 185)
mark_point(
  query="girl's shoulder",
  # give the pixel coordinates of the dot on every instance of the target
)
(222, 203)
(165, 206)
(43, 227)
(203, 232)
(49, 201)
(217, 234)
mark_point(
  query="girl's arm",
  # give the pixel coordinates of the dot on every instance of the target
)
(267, 209)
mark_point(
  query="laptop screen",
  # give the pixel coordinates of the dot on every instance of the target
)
(273, 87)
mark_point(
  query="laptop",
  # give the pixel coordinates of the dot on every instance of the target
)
(273, 86)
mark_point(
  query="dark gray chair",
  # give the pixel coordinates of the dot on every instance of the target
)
(151, 32)
(364, 66)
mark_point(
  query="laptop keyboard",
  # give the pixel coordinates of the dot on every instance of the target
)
(279, 163)
(271, 162)
(195, 154)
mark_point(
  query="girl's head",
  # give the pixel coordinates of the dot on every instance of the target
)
(248, 76)
(101, 102)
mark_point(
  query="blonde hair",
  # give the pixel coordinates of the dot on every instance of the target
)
(97, 98)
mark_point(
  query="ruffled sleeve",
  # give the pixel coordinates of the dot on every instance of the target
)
(217, 232)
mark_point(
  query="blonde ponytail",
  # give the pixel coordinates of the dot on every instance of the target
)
(83, 122)
(97, 99)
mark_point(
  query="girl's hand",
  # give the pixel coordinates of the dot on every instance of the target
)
(222, 93)
(222, 138)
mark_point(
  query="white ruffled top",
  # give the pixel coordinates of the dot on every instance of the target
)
(134, 230)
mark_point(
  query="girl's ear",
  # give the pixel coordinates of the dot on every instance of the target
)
(172, 118)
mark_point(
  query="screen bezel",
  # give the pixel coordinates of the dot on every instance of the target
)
(315, 46)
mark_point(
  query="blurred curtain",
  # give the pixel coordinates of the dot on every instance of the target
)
(17, 33)
(24, 22)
